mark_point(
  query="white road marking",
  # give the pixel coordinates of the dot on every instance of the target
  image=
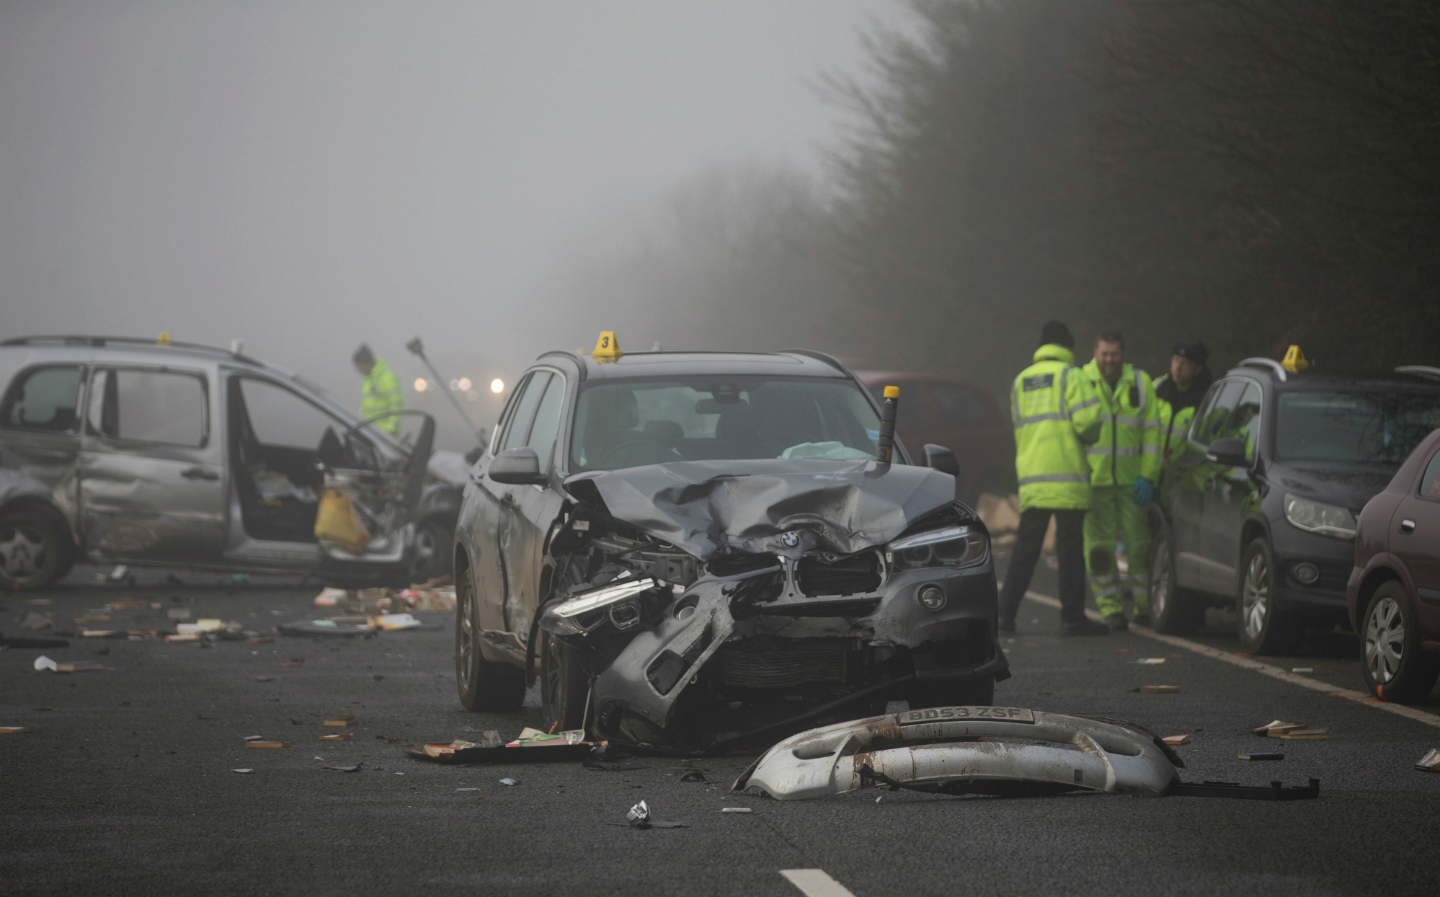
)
(1250, 663)
(816, 883)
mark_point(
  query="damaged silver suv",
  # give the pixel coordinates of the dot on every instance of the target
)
(693, 549)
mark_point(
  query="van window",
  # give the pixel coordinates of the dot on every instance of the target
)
(159, 407)
(45, 399)
(280, 417)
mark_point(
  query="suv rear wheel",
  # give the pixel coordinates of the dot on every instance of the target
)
(1173, 610)
(1395, 666)
(1262, 627)
(483, 684)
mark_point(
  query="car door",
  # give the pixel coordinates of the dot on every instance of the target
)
(40, 427)
(1233, 491)
(496, 537)
(1415, 540)
(529, 514)
(1187, 485)
(151, 487)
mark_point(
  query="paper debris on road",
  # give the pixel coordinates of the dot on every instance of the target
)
(346, 720)
(1274, 724)
(331, 597)
(338, 736)
(183, 637)
(1302, 669)
(17, 730)
(509, 782)
(1298, 734)
(1262, 755)
(36, 622)
(243, 771)
(267, 744)
(1149, 661)
(254, 737)
(395, 622)
(1428, 763)
(1157, 689)
(66, 666)
(735, 810)
(1176, 740)
(355, 768)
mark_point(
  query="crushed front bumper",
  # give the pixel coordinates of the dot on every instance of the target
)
(960, 750)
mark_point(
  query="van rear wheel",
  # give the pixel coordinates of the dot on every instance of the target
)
(35, 548)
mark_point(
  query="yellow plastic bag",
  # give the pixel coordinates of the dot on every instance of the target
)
(336, 522)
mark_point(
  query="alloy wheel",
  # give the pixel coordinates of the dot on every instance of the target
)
(22, 553)
(466, 635)
(1384, 640)
(1256, 608)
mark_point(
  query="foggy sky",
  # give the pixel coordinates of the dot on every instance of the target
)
(310, 175)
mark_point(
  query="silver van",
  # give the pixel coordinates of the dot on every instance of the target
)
(119, 450)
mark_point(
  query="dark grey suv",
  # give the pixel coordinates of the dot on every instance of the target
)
(693, 548)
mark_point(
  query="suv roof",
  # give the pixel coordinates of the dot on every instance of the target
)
(1417, 377)
(791, 363)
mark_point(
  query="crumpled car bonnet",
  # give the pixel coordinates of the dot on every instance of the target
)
(710, 508)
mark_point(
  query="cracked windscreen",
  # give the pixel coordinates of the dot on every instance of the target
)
(635, 422)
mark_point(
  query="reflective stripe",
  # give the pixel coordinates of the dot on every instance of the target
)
(1121, 452)
(1064, 397)
(1151, 449)
(1127, 421)
(1152, 424)
(1088, 403)
(1037, 418)
(1104, 591)
(1055, 478)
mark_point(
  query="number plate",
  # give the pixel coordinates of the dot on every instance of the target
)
(946, 714)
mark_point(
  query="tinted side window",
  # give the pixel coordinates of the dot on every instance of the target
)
(160, 407)
(1430, 482)
(518, 430)
(44, 399)
(1215, 414)
(547, 422)
(1245, 420)
(958, 404)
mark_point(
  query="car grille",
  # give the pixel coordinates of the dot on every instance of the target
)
(787, 663)
(851, 575)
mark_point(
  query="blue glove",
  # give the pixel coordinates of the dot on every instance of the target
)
(1144, 492)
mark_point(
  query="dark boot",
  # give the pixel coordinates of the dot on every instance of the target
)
(1084, 626)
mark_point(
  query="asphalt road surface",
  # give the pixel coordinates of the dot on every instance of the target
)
(126, 784)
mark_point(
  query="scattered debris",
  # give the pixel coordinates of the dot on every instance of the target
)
(1157, 689)
(267, 744)
(348, 719)
(509, 782)
(339, 736)
(1428, 763)
(1262, 755)
(467, 789)
(20, 730)
(355, 768)
(34, 643)
(36, 622)
(1176, 740)
(640, 817)
(259, 640)
(1275, 725)
(323, 629)
(1149, 661)
(1302, 669)
(388, 739)
(66, 666)
(254, 737)
(119, 573)
(264, 678)
(243, 771)
(1276, 791)
(183, 637)
(530, 746)
(1304, 735)
(735, 810)
(331, 597)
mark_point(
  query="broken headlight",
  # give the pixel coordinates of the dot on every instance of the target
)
(617, 602)
(951, 546)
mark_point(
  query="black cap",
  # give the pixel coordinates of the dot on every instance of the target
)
(1192, 349)
(1057, 334)
(363, 355)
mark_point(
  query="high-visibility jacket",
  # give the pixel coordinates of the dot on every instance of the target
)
(1056, 416)
(1175, 423)
(1129, 443)
(381, 393)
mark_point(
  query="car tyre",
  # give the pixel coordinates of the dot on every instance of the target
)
(434, 550)
(564, 685)
(1395, 666)
(484, 685)
(35, 548)
(1262, 627)
(1173, 610)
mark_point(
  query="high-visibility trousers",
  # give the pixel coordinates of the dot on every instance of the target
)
(1113, 512)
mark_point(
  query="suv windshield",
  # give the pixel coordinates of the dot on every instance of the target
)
(635, 422)
(1353, 426)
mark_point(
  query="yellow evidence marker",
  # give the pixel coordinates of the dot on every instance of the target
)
(607, 348)
(1295, 361)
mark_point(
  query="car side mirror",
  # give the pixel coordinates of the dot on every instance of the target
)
(517, 467)
(1227, 451)
(938, 457)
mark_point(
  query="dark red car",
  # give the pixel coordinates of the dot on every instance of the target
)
(1394, 590)
(960, 416)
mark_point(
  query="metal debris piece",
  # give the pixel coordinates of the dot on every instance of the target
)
(735, 810)
(1428, 763)
(354, 768)
(693, 775)
(1149, 661)
(339, 736)
(254, 737)
(19, 730)
(509, 781)
(1261, 755)
(243, 771)
(639, 815)
(1157, 689)
(43, 663)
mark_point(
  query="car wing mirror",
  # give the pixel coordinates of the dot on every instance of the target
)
(1227, 451)
(517, 467)
(938, 457)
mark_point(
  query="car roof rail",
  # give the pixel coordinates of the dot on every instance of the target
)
(1419, 370)
(101, 341)
(821, 356)
(579, 362)
(1269, 364)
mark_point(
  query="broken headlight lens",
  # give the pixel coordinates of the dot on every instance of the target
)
(951, 546)
(582, 613)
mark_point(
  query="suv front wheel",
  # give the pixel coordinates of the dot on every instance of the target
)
(1262, 627)
(483, 684)
(1173, 610)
